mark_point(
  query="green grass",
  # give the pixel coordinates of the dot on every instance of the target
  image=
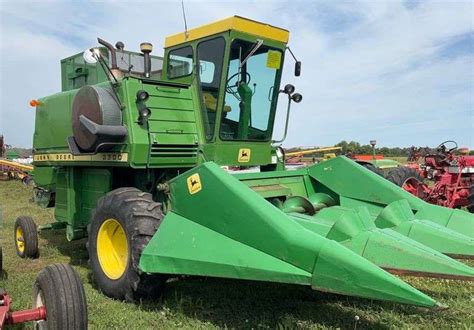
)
(206, 302)
(402, 160)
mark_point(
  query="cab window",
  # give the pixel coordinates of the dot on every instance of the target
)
(210, 55)
(180, 62)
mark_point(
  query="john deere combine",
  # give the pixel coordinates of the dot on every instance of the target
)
(131, 152)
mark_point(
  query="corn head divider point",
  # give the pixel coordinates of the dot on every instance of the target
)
(135, 163)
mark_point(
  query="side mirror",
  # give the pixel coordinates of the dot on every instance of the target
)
(297, 68)
(89, 56)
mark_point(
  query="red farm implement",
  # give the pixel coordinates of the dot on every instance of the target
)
(451, 172)
(58, 301)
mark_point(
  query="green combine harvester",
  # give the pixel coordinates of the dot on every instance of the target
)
(131, 155)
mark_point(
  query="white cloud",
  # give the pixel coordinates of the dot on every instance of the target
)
(370, 71)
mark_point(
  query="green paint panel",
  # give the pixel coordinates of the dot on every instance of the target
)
(277, 187)
(357, 186)
(457, 220)
(173, 139)
(400, 218)
(227, 153)
(172, 127)
(77, 192)
(172, 102)
(183, 93)
(76, 72)
(348, 179)
(341, 272)
(392, 251)
(162, 114)
(182, 246)
(385, 163)
(52, 110)
(384, 247)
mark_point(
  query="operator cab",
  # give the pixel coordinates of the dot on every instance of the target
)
(237, 65)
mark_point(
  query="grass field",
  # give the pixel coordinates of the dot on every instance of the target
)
(207, 303)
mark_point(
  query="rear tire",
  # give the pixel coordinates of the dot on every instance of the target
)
(406, 178)
(26, 238)
(372, 168)
(123, 223)
(470, 206)
(59, 289)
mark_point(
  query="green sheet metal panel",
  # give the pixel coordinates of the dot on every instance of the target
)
(198, 250)
(278, 187)
(386, 248)
(227, 153)
(49, 136)
(77, 192)
(348, 179)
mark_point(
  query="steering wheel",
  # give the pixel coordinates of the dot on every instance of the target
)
(232, 89)
(442, 147)
(442, 152)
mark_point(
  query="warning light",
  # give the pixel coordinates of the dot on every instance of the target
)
(35, 103)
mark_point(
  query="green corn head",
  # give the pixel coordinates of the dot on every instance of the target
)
(225, 229)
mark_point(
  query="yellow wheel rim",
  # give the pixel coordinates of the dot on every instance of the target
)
(19, 239)
(112, 249)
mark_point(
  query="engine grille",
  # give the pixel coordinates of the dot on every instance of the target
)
(174, 150)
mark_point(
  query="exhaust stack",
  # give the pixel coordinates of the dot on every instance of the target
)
(146, 48)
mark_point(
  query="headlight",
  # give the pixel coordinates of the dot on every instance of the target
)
(145, 113)
(142, 95)
(297, 97)
(289, 89)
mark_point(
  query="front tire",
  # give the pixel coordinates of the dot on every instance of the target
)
(59, 289)
(123, 223)
(26, 237)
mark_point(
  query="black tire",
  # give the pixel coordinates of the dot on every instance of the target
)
(372, 168)
(400, 175)
(59, 289)
(29, 181)
(26, 238)
(470, 206)
(139, 216)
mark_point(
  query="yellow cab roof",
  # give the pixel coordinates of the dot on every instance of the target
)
(231, 23)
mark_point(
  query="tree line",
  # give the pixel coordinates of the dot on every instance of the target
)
(361, 149)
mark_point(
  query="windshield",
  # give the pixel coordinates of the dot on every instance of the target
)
(250, 91)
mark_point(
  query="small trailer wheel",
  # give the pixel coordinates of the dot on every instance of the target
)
(59, 289)
(26, 238)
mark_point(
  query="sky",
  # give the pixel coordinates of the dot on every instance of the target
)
(400, 72)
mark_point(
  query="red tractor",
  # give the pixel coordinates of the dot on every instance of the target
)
(452, 174)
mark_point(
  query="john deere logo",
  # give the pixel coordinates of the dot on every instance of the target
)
(244, 155)
(194, 184)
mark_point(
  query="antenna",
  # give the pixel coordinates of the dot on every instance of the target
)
(185, 23)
